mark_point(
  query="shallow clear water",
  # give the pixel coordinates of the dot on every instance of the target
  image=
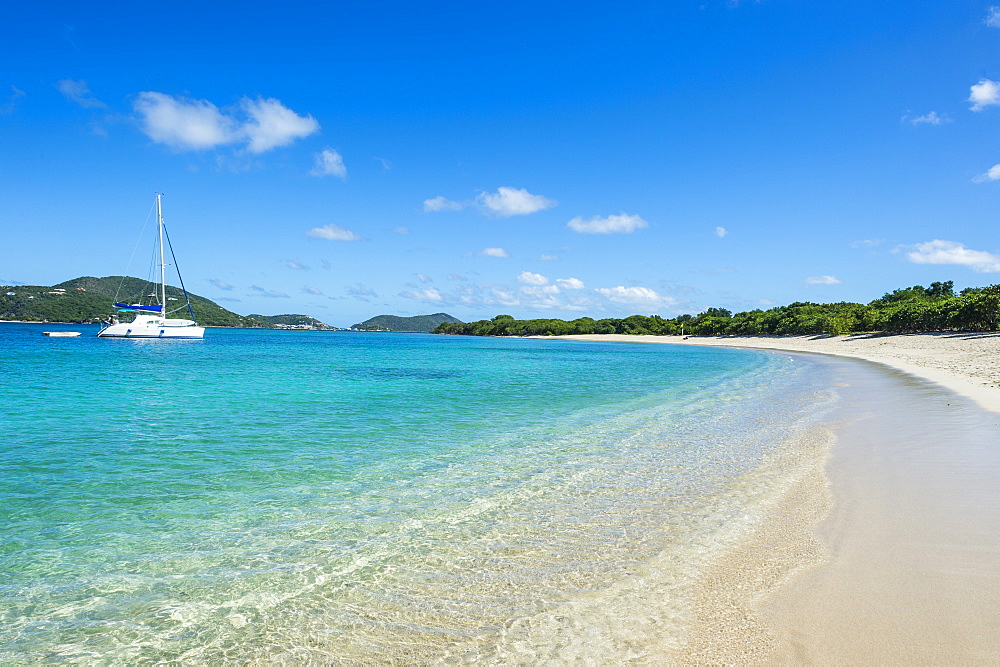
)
(309, 496)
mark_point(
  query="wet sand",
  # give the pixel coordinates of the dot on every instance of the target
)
(889, 554)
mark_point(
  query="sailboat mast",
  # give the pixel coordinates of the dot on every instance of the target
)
(163, 263)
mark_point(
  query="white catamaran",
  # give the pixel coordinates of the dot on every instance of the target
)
(153, 321)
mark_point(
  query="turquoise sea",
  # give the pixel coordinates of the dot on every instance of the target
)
(297, 496)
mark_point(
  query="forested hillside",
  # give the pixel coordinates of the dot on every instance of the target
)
(415, 324)
(90, 299)
(908, 310)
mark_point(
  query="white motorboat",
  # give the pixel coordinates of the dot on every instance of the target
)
(153, 320)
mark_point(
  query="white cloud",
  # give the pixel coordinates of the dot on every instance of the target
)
(329, 163)
(78, 92)
(951, 252)
(333, 233)
(529, 278)
(721, 232)
(10, 102)
(507, 202)
(636, 296)
(184, 124)
(613, 224)
(424, 278)
(272, 124)
(822, 280)
(292, 264)
(866, 243)
(311, 290)
(992, 174)
(187, 124)
(992, 17)
(545, 257)
(403, 231)
(931, 118)
(221, 284)
(493, 252)
(440, 203)
(984, 94)
(361, 292)
(429, 294)
(271, 294)
(570, 283)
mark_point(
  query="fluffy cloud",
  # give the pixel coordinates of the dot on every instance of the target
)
(292, 264)
(78, 92)
(184, 124)
(992, 174)
(950, 252)
(545, 257)
(507, 202)
(613, 224)
(822, 280)
(424, 278)
(306, 289)
(534, 291)
(333, 233)
(570, 283)
(329, 163)
(493, 252)
(440, 203)
(529, 278)
(637, 296)
(271, 124)
(984, 94)
(721, 232)
(429, 294)
(221, 284)
(992, 17)
(188, 124)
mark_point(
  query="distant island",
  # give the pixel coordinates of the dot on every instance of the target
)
(415, 324)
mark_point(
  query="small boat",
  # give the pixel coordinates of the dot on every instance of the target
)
(153, 320)
(61, 334)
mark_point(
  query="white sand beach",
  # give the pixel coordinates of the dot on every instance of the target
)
(890, 553)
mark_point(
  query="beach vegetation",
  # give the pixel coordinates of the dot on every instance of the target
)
(913, 309)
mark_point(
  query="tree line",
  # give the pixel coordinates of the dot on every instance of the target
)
(908, 310)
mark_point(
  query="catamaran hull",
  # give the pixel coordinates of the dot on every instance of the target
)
(129, 331)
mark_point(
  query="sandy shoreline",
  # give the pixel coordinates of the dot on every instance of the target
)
(897, 536)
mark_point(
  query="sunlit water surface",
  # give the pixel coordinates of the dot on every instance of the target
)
(266, 495)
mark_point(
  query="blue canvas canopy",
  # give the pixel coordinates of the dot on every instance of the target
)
(135, 309)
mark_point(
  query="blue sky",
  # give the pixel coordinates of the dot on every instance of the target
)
(548, 159)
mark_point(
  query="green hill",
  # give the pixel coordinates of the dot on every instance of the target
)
(415, 324)
(90, 299)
